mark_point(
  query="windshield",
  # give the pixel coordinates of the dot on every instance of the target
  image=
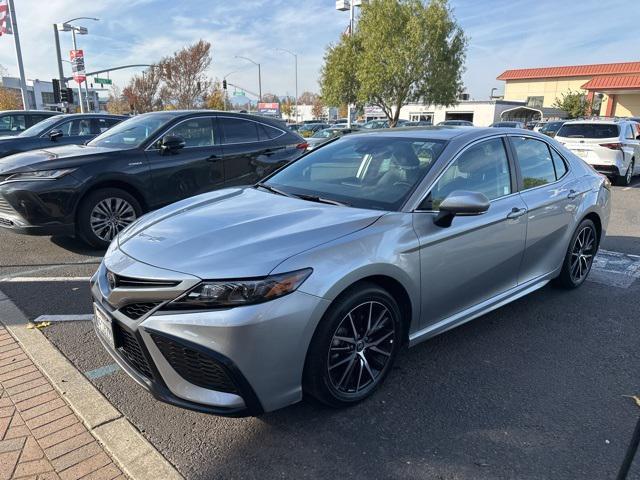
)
(588, 130)
(324, 134)
(41, 127)
(361, 171)
(551, 127)
(132, 132)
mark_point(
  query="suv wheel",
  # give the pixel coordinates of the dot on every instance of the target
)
(354, 346)
(624, 180)
(104, 213)
(579, 258)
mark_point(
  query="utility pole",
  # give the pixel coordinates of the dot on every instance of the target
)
(56, 38)
(259, 76)
(26, 104)
(295, 56)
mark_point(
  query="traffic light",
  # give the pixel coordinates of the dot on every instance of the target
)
(66, 95)
(56, 90)
(224, 84)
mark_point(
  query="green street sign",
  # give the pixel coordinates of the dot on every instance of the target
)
(238, 93)
(102, 81)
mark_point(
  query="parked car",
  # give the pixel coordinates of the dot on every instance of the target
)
(14, 122)
(507, 125)
(310, 282)
(73, 129)
(612, 147)
(551, 128)
(145, 162)
(456, 123)
(323, 136)
(417, 123)
(308, 129)
(376, 124)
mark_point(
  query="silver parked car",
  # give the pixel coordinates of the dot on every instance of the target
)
(237, 301)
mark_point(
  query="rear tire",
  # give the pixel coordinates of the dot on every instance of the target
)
(624, 180)
(579, 257)
(354, 346)
(103, 214)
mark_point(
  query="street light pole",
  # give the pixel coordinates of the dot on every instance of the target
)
(259, 75)
(295, 56)
(56, 37)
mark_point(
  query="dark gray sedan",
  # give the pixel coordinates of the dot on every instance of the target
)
(239, 301)
(72, 129)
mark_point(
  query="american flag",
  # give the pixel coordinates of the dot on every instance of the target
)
(5, 22)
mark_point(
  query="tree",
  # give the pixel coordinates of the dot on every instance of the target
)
(574, 103)
(343, 111)
(116, 102)
(215, 99)
(184, 76)
(288, 108)
(143, 91)
(10, 99)
(270, 98)
(307, 98)
(317, 110)
(402, 51)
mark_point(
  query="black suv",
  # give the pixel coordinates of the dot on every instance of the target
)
(141, 164)
(75, 128)
(14, 122)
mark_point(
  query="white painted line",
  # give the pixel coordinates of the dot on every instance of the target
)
(47, 268)
(63, 318)
(11, 279)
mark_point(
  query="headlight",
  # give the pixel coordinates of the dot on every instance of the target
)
(231, 293)
(39, 175)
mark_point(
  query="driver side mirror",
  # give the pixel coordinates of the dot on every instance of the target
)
(55, 134)
(171, 143)
(461, 202)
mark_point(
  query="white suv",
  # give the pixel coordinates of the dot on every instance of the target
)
(612, 147)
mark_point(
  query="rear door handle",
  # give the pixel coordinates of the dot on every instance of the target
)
(516, 212)
(573, 194)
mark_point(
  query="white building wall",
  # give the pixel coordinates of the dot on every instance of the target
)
(484, 112)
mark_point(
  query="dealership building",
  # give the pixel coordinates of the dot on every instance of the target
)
(614, 88)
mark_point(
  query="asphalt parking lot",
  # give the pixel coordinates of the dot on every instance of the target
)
(537, 389)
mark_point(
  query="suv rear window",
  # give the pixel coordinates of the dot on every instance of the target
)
(589, 130)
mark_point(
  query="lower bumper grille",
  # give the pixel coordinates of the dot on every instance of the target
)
(5, 222)
(195, 367)
(136, 310)
(130, 349)
(5, 208)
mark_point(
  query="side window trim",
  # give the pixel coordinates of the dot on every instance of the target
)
(506, 147)
(220, 117)
(549, 146)
(214, 125)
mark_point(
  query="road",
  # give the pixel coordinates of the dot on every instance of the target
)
(536, 389)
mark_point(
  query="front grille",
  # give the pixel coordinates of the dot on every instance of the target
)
(130, 349)
(128, 282)
(136, 310)
(5, 208)
(193, 366)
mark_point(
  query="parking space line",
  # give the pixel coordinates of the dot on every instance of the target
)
(102, 371)
(64, 318)
(10, 279)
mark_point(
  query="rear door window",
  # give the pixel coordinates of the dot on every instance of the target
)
(239, 130)
(534, 158)
(589, 130)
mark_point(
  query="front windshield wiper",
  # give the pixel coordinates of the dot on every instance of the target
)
(273, 189)
(315, 198)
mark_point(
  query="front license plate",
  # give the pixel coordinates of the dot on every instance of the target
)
(103, 326)
(582, 153)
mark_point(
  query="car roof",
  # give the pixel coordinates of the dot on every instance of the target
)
(48, 112)
(185, 113)
(91, 115)
(443, 132)
(594, 121)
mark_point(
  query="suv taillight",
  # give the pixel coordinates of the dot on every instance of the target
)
(612, 146)
(302, 146)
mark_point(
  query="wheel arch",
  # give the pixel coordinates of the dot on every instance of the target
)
(114, 183)
(595, 218)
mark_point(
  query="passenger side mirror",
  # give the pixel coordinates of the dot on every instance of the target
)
(171, 143)
(55, 134)
(461, 202)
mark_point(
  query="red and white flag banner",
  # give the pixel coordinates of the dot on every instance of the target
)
(5, 20)
(77, 65)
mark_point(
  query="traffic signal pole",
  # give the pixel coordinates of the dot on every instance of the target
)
(56, 37)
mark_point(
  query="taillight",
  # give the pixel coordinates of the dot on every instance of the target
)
(302, 146)
(612, 146)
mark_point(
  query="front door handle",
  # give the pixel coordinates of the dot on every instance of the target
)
(516, 212)
(572, 194)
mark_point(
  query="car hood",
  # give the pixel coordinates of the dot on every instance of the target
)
(237, 233)
(54, 157)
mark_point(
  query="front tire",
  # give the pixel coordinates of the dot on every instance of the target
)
(103, 214)
(354, 346)
(580, 254)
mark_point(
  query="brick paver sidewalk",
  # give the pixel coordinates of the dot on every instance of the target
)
(40, 437)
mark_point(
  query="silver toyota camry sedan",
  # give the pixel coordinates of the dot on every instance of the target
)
(243, 300)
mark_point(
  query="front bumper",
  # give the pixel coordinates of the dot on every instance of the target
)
(256, 352)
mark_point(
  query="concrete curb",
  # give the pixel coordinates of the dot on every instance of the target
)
(129, 449)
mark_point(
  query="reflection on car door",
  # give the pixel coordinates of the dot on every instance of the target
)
(250, 152)
(194, 169)
(551, 198)
(477, 257)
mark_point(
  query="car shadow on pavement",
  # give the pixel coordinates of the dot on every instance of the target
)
(532, 390)
(77, 246)
(618, 243)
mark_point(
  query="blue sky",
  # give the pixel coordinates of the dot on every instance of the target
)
(502, 34)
